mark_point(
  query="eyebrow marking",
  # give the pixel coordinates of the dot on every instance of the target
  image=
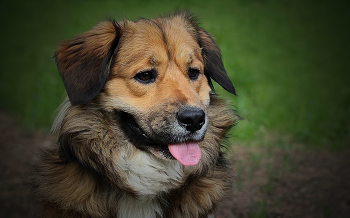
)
(190, 60)
(153, 60)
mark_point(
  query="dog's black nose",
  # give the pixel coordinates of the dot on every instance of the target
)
(191, 118)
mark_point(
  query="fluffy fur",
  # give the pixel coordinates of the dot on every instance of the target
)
(126, 82)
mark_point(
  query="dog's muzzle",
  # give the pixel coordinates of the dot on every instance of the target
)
(175, 138)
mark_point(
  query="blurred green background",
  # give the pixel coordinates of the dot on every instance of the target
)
(287, 59)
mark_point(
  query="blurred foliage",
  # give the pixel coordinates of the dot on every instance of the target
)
(287, 59)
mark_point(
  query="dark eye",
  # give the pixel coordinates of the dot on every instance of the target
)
(193, 73)
(146, 77)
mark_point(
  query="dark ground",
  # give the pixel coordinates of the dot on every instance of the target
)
(270, 182)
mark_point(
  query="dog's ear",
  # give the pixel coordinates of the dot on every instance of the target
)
(84, 61)
(213, 65)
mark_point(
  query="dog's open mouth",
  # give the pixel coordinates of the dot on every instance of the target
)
(187, 153)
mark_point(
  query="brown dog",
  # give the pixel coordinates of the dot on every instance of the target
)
(140, 134)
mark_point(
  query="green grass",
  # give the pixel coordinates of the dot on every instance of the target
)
(287, 59)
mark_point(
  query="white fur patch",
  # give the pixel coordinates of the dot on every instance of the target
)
(149, 175)
(142, 207)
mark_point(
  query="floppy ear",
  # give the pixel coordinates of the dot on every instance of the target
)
(84, 61)
(213, 65)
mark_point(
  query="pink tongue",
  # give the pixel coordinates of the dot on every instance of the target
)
(187, 154)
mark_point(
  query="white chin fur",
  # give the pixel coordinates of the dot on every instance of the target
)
(149, 175)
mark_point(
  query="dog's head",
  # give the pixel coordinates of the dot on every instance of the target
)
(154, 74)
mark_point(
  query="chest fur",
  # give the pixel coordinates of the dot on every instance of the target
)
(146, 175)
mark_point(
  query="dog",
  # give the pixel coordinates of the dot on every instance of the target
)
(141, 132)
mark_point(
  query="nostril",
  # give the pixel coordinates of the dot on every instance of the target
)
(191, 118)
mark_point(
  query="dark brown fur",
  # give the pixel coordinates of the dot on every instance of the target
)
(88, 174)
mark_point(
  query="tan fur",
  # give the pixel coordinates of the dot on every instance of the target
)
(97, 170)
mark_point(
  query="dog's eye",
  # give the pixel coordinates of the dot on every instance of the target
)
(146, 77)
(193, 73)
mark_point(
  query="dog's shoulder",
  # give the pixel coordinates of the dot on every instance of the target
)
(66, 185)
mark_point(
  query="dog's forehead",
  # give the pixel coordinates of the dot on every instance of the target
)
(159, 40)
